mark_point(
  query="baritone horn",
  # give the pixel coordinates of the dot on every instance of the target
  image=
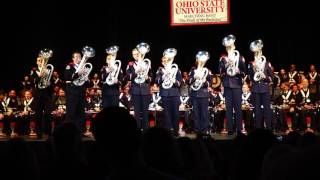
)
(88, 52)
(46, 69)
(201, 72)
(260, 60)
(115, 65)
(170, 70)
(143, 65)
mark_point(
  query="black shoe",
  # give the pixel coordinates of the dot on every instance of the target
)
(230, 133)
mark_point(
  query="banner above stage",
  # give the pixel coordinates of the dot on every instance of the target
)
(199, 12)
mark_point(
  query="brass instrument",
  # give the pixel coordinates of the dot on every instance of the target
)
(170, 70)
(46, 69)
(115, 66)
(260, 60)
(233, 55)
(143, 64)
(201, 72)
(87, 52)
(233, 60)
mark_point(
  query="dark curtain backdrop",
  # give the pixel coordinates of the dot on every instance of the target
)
(287, 29)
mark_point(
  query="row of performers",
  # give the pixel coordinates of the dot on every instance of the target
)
(232, 70)
(293, 109)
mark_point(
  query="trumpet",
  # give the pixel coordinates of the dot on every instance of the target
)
(46, 69)
(143, 65)
(87, 52)
(201, 72)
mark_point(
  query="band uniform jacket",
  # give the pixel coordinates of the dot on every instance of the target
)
(174, 90)
(232, 81)
(203, 91)
(137, 89)
(261, 86)
(110, 89)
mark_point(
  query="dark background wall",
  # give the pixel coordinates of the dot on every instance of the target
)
(287, 29)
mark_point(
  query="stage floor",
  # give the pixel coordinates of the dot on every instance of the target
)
(216, 136)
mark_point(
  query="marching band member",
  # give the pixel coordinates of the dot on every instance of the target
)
(307, 113)
(11, 104)
(314, 80)
(59, 109)
(56, 81)
(200, 80)
(284, 102)
(169, 79)
(27, 112)
(218, 101)
(76, 77)
(259, 71)
(246, 106)
(139, 76)
(283, 76)
(232, 70)
(125, 98)
(95, 81)
(293, 111)
(41, 76)
(274, 85)
(293, 75)
(111, 76)
(26, 84)
(3, 112)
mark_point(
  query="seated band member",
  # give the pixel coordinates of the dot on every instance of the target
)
(247, 106)
(232, 70)
(26, 122)
(169, 80)
(139, 74)
(111, 75)
(274, 85)
(307, 104)
(293, 75)
(314, 80)
(218, 102)
(294, 104)
(95, 82)
(56, 80)
(200, 79)
(284, 105)
(260, 72)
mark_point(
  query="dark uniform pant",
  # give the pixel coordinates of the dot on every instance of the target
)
(141, 113)
(233, 101)
(201, 113)
(75, 111)
(262, 99)
(42, 111)
(171, 112)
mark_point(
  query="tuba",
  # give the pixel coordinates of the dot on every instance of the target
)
(170, 70)
(46, 69)
(201, 72)
(143, 65)
(87, 52)
(115, 66)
